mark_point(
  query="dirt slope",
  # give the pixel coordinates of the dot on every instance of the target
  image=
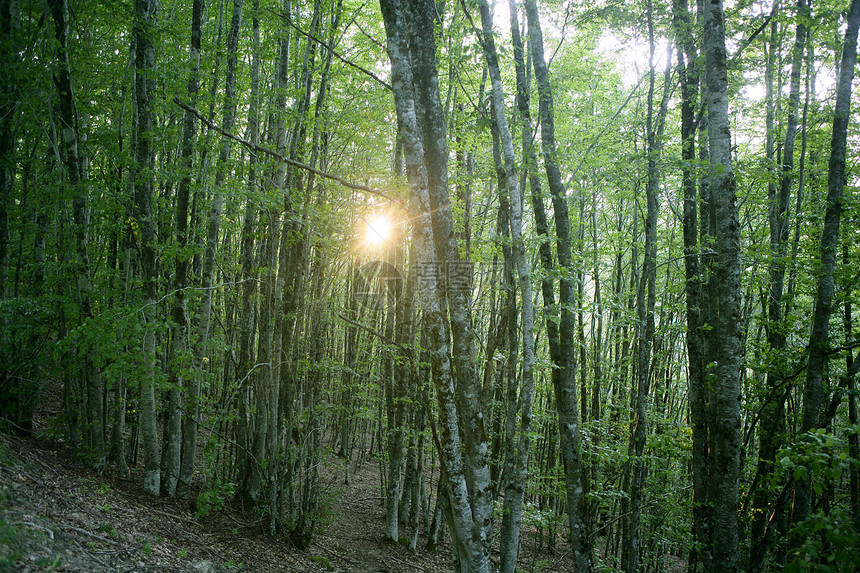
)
(58, 515)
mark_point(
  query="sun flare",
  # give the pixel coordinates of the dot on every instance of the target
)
(378, 230)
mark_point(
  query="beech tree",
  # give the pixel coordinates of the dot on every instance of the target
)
(813, 393)
(144, 230)
(516, 463)
(184, 268)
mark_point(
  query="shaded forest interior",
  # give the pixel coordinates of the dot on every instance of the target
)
(569, 274)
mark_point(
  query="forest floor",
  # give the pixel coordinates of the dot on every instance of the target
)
(57, 514)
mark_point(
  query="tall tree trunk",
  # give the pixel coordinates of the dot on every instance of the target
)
(8, 105)
(688, 73)
(265, 394)
(144, 30)
(517, 460)
(469, 392)
(853, 439)
(77, 178)
(228, 113)
(469, 516)
(245, 370)
(645, 299)
(541, 226)
(565, 387)
(597, 332)
(505, 326)
(295, 249)
(180, 432)
(820, 334)
(393, 380)
(772, 425)
(179, 312)
(726, 348)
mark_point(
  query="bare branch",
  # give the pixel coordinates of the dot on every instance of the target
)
(287, 160)
(286, 18)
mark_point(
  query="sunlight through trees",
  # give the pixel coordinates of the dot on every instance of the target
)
(577, 280)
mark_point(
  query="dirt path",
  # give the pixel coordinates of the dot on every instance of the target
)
(354, 540)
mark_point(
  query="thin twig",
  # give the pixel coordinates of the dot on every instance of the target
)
(337, 555)
(93, 535)
(37, 526)
(413, 565)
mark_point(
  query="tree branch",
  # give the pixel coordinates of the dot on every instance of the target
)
(286, 18)
(287, 160)
(405, 349)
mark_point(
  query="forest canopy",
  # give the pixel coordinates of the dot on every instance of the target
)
(578, 272)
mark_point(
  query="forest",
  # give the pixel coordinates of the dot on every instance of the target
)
(580, 275)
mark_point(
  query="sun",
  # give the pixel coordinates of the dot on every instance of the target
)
(378, 230)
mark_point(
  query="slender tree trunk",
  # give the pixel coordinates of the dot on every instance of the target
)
(517, 461)
(551, 309)
(819, 336)
(265, 394)
(179, 312)
(645, 301)
(689, 87)
(180, 432)
(393, 394)
(726, 348)
(597, 333)
(772, 425)
(565, 388)
(695, 229)
(505, 329)
(853, 441)
(295, 249)
(77, 178)
(145, 18)
(228, 112)
(469, 392)
(244, 370)
(8, 106)
(469, 516)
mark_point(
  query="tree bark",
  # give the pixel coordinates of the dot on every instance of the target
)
(645, 300)
(726, 348)
(689, 77)
(245, 370)
(179, 311)
(565, 387)
(820, 333)
(517, 459)
(469, 392)
(393, 380)
(468, 517)
(145, 18)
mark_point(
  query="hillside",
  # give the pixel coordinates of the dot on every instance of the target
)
(58, 515)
